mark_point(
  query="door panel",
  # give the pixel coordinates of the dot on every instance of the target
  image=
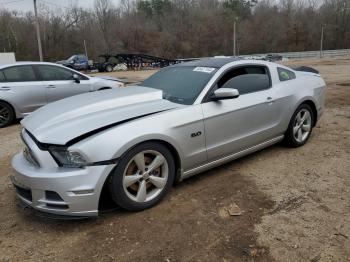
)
(27, 96)
(59, 82)
(56, 90)
(235, 124)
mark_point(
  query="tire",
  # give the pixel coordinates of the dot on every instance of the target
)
(135, 190)
(7, 115)
(109, 68)
(298, 133)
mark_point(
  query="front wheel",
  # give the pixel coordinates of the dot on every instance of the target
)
(300, 126)
(142, 177)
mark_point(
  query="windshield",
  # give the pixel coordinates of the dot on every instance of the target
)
(180, 84)
(71, 58)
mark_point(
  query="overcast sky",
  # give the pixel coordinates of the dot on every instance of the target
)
(27, 5)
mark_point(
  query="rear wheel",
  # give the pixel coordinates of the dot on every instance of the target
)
(300, 126)
(142, 177)
(7, 114)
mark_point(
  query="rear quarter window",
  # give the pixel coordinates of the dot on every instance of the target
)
(285, 74)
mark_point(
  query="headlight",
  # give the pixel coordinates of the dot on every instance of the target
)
(67, 158)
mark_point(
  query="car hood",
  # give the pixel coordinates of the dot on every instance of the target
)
(64, 120)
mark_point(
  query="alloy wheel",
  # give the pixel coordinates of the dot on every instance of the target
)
(145, 176)
(302, 125)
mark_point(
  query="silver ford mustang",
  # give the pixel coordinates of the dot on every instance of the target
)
(135, 143)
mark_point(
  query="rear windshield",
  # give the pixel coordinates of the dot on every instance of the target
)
(181, 84)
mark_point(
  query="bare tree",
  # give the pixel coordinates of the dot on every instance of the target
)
(104, 14)
(178, 28)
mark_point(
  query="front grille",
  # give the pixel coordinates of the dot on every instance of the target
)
(25, 193)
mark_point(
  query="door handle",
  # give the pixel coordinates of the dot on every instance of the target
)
(51, 86)
(5, 88)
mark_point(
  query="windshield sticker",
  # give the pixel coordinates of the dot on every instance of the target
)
(207, 70)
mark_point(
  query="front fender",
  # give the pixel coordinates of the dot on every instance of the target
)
(104, 146)
(102, 84)
(173, 127)
(154, 137)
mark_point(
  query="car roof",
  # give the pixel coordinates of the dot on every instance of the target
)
(27, 63)
(216, 62)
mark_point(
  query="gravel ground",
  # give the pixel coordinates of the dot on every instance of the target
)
(294, 204)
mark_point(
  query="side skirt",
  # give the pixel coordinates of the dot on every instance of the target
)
(229, 158)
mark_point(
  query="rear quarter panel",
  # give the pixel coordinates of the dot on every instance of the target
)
(316, 90)
(291, 94)
(17, 101)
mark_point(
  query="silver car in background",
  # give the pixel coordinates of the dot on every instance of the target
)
(24, 87)
(132, 144)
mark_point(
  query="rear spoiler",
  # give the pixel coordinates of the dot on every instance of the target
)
(306, 69)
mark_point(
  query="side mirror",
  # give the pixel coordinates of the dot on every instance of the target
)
(224, 93)
(76, 78)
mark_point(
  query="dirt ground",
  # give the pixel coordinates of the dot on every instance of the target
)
(295, 204)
